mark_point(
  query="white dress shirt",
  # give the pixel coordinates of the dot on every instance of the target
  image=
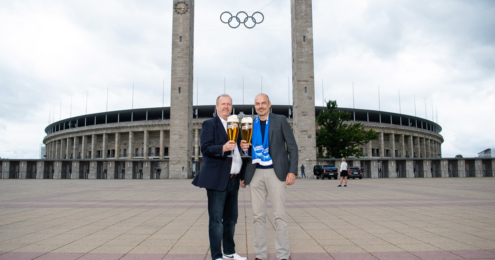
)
(236, 158)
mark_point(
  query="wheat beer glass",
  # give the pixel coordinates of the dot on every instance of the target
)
(246, 131)
(232, 129)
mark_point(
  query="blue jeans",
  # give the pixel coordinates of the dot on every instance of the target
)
(222, 209)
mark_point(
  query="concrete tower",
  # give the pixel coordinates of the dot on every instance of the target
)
(303, 85)
(181, 104)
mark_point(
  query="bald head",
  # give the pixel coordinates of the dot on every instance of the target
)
(262, 105)
(262, 95)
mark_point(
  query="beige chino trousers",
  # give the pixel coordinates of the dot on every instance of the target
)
(266, 184)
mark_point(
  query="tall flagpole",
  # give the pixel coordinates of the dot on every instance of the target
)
(163, 94)
(379, 98)
(414, 104)
(107, 100)
(86, 102)
(353, 95)
(400, 109)
(70, 115)
(322, 93)
(132, 96)
(426, 113)
(432, 115)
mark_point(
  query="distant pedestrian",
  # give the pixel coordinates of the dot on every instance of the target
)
(303, 175)
(343, 173)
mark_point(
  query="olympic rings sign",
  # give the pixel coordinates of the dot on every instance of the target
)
(248, 21)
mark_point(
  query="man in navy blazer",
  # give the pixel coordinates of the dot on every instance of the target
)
(220, 175)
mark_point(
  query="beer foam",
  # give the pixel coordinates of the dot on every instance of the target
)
(246, 120)
(233, 118)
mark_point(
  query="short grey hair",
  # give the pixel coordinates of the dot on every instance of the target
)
(223, 95)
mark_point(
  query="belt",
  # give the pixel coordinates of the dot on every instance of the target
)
(234, 176)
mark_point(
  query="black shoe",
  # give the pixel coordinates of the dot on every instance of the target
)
(345, 185)
(339, 186)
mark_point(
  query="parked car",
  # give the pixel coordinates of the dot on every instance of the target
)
(317, 171)
(355, 172)
(329, 171)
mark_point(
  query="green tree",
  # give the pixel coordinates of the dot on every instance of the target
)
(459, 156)
(339, 137)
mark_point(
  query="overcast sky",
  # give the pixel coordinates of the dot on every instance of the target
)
(443, 52)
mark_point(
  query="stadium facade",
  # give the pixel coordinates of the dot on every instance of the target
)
(163, 143)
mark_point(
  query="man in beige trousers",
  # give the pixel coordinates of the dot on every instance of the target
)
(272, 168)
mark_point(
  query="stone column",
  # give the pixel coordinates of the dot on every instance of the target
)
(57, 153)
(146, 144)
(111, 170)
(47, 150)
(411, 146)
(69, 148)
(409, 169)
(478, 168)
(117, 148)
(427, 168)
(93, 146)
(392, 140)
(402, 146)
(93, 167)
(392, 166)
(146, 170)
(162, 144)
(75, 149)
(57, 170)
(303, 86)
(430, 154)
(461, 168)
(62, 149)
(423, 145)
(181, 104)
(83, 147)
(374, 169)
(370, 153)
(418, 147)
(75, 170)
(40, 169)
(382, 145)
(23, 170)
(5, 169)
(104, 149)
(128, 170)
(131, 147)
(444, 168)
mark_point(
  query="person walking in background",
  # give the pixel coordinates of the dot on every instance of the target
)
(220, 176)
(343, 173)
(303, 175)
(273, 166)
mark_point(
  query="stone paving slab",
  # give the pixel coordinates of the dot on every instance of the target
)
(168, 219)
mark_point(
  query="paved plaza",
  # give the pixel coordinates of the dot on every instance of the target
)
(168, 219)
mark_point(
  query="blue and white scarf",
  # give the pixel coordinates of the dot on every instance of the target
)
(261, 148)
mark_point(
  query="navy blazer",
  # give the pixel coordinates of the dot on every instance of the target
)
(215, 170)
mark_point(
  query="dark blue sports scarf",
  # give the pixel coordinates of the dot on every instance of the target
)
(261, 148)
